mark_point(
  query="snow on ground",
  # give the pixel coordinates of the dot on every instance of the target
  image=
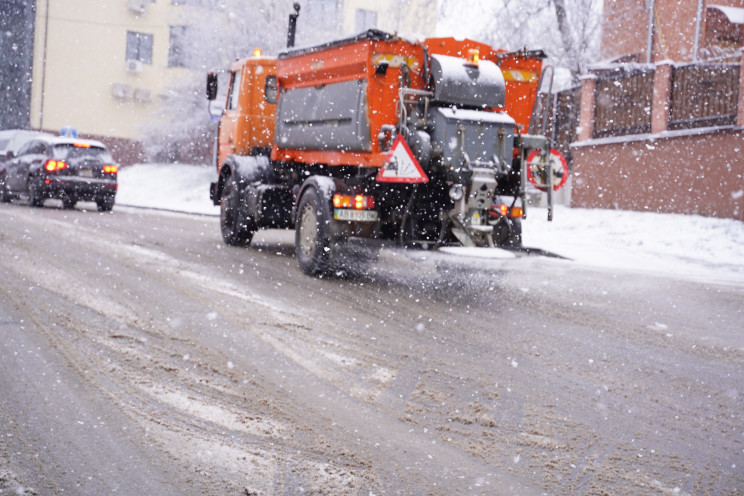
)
(689, 246)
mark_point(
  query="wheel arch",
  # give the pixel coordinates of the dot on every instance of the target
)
(324, 185)
(246, 169)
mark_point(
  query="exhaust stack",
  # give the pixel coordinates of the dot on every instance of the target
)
(292, 29)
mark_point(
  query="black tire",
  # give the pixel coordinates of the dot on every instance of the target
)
(507, 233)
(312, 239)
(35, 193)
(104, 204)
(5, 195)
(237, 228)
(69, 203)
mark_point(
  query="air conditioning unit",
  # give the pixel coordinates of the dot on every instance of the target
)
(138, 6)
(142, 95)
(121, 91)
(134, 66)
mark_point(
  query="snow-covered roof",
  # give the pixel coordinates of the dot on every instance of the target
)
(734, 14)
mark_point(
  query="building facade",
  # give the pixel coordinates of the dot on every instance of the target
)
(661, 124)
(100, 67)
(321, 20)
(17, 20)
(648, 31)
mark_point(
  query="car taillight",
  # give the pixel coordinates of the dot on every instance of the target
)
(110, 169)
(55, 165)
(356, 202)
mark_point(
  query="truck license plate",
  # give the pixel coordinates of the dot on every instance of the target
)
(355, 215)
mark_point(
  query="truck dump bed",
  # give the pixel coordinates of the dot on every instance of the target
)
(521, 71)
(326, 94)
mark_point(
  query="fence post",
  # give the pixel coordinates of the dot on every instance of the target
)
(660, 104)
(740, 103)
(586, 107)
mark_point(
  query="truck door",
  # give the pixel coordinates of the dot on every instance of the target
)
(229, 120)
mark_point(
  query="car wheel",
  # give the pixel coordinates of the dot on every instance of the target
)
(237, 228)
(105, 204)
(69, 203)
(35, 193)
(5, 196)
(312, 241)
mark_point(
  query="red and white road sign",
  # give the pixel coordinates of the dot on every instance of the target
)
(401, 166)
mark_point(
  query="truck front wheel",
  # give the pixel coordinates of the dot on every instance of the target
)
(237, 228)
(312, 242)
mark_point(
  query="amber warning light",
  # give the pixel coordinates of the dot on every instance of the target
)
(473, 56)
(257, 52)
(357, 202)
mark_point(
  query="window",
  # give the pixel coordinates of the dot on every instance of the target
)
(365, 19)
(72, 152)
(325, 11)
(33, 148)
(24, 149)
(177, 49)
(233, 91)
(139, 47)
(270, 89)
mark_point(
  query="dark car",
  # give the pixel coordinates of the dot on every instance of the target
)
(65, 168)
(11, 140)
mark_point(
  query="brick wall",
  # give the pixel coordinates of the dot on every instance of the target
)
(690, 171)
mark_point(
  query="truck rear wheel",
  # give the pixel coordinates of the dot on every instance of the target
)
(312, 242)
(237, 228)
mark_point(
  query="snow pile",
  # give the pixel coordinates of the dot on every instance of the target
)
(692, 246)
(689, 246)
(177, 187)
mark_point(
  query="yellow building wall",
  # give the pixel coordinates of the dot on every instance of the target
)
(79, 56)
(406, 17)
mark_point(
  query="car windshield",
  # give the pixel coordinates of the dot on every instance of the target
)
(4, 143)
(69, 151)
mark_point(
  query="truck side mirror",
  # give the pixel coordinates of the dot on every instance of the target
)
(211, 86)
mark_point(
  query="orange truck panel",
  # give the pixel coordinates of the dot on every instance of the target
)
(342, 66)
(522, 71)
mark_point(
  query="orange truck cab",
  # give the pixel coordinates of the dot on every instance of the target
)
(247, 122)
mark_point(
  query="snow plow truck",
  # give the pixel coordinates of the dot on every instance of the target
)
(372, 141)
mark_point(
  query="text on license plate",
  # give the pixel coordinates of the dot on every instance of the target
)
(85, 173)
(355, 215)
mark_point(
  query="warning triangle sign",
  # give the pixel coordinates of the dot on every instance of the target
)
(401, 166)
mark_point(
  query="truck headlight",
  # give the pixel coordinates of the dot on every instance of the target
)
(456, 192)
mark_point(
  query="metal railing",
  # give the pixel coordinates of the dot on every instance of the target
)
(704, 95)
(623, 103)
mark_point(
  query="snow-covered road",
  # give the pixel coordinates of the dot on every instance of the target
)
(141, 334)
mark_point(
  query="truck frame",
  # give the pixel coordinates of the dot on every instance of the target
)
(374, 140)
